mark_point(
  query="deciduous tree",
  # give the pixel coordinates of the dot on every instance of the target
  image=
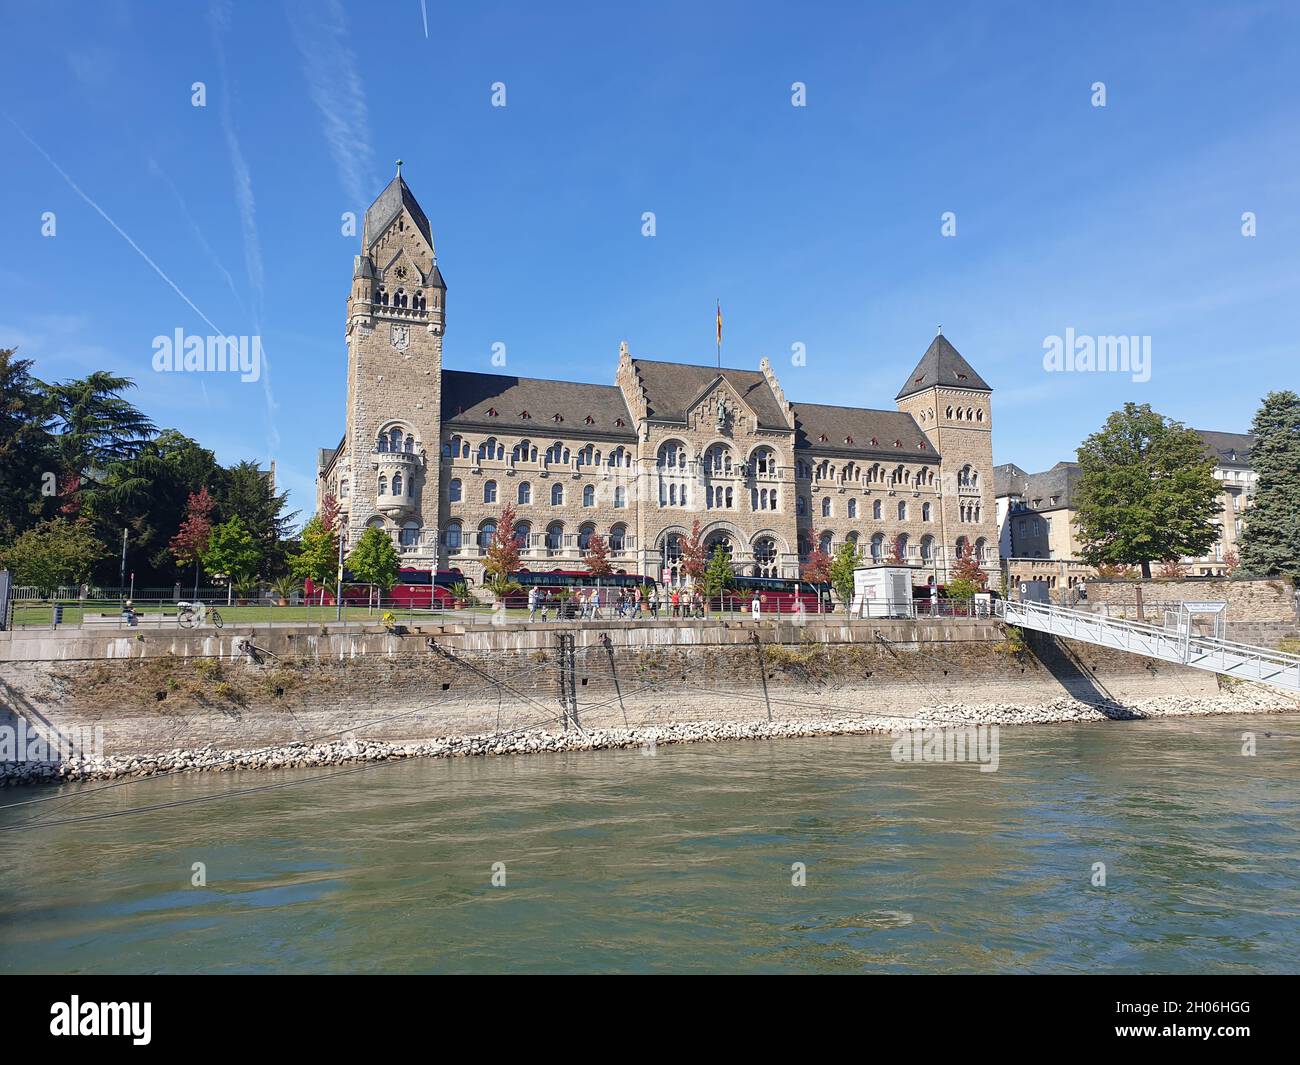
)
(1146, 491)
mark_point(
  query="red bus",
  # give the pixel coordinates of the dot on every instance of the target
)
(777, 595)
(557, 580)
(416, 589)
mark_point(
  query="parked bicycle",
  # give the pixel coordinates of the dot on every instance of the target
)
(191, 614)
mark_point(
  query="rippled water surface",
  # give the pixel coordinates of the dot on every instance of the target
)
(617, 861)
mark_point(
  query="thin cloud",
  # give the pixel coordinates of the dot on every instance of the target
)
(320, 30)
(120, 231)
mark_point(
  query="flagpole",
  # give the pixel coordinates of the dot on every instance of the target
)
(719, 334)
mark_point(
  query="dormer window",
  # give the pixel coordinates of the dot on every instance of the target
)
(620, 423)
(961, 377)
(848, 439)
(557, 417)
(589, 420)
(874, 442)
(898, 443)
(921, 445)
(823, 438)
(492, 412)
(525, 415)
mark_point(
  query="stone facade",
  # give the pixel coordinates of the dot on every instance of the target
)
(432, 455)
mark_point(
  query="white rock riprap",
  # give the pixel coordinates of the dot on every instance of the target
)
(354, 751)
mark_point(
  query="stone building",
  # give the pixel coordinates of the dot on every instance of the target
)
(431, 455)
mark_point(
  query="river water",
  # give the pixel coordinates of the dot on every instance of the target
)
(682, 861)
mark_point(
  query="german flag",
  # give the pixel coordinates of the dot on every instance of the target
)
(719, 323)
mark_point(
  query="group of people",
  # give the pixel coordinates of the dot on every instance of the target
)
(629, 603)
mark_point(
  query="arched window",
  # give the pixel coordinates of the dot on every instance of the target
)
(409, 535)
(397, 484)
(525, 492)
(717, 460)
(672, 456)
(617, 538)
(765, 557)
(382, 488)
(486, 532)
(523, 532)
(875, 509)
(877, 547)
(979, 550)
(765, 462)
(557, 455)
(524, 452)
(901, 545)
(555, 536)
(557, 495)
(801, 506)
(454, 490)
(585, 533)
(853, 508)
(672, 495)
(589, 456)
(588, 495)
(489, 491)
(826, 506)
(927, 548)
(902, 510)
(620, 496)
(619, 457)
(824, 543)
(453, 536)
(381, 296)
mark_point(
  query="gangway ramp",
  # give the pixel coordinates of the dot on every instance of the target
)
(1240, 660)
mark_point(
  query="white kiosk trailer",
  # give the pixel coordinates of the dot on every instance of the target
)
(883, 591)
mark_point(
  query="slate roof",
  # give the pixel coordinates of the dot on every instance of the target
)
(469, 398)
(387, 206)
(850, 430)
(1060, 481)
(671, 388)
(1229, 449)
(942, 364)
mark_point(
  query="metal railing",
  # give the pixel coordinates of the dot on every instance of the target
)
(1180, 645)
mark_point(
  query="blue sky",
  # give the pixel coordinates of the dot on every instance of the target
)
(816, 225)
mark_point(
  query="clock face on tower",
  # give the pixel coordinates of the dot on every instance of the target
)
(400, 336)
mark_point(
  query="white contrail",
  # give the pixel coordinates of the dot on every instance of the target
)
(320, 31)
(120, 231)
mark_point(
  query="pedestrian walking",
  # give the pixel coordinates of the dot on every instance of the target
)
(532, 604)
(654, 603)
(676, 602)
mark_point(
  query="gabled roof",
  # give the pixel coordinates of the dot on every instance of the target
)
(469, 399)
(1229, 449)
(942, 364)
(387, 206)
(672, 387)
(1058, 483)
(850, 431)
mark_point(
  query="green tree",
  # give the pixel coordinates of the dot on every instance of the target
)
(233, 554)
(1270, 545)
(1146, 492)
(26, 448)
(718, 574)
(52, 553)
(846, 559)
(94, 425)
(318, 558)
(248, 492)
(374, 560)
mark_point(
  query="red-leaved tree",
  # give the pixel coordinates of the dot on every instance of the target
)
(191, 540)
(695, 556)
(597, 557)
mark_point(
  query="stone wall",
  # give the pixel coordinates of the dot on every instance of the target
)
(1249, 601)
(185, 691)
